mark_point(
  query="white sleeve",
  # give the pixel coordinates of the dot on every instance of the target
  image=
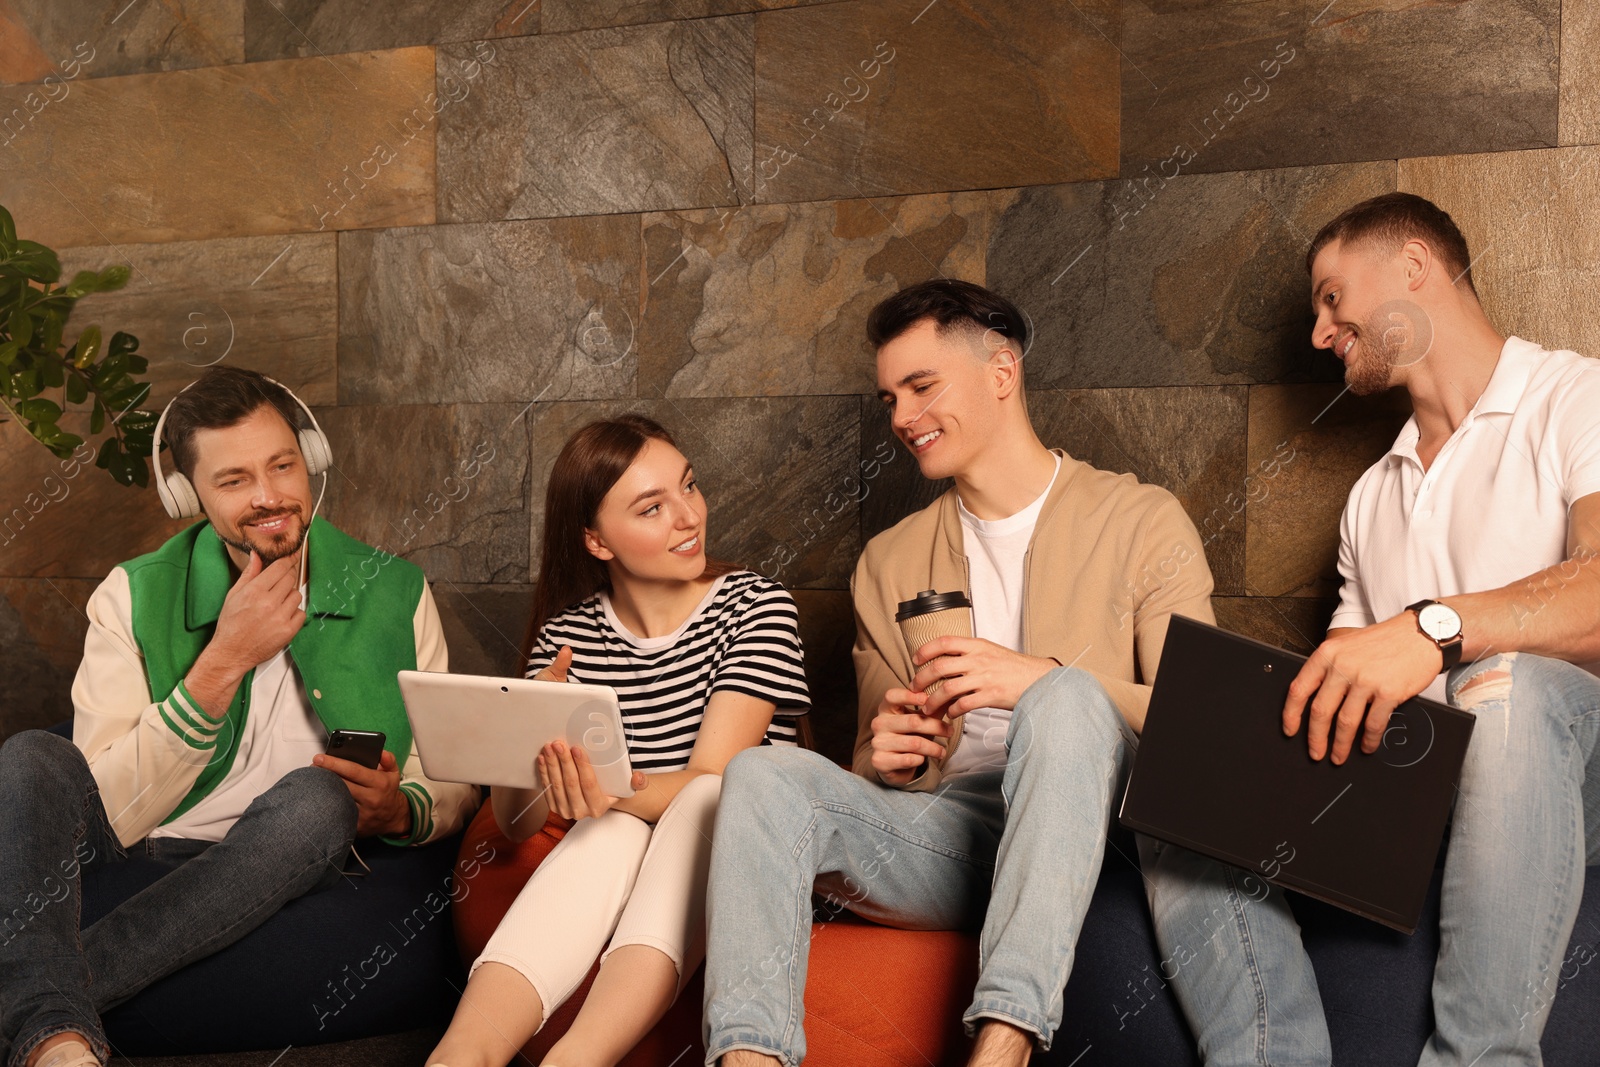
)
(438, 809)
(145, 754)
(1353, 609)
(1579, 434)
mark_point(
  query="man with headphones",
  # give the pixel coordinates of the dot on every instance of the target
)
(201, 711)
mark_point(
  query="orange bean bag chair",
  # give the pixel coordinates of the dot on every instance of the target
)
(855, 1017)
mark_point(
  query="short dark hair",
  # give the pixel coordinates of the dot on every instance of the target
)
(1393, 219)
(953, 305)
(219, 398)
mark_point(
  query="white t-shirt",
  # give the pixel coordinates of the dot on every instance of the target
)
(995, 549)
(1492, 508)
(281, 733)
(743, 637)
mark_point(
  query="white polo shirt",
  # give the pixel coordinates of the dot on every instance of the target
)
(1493, 506)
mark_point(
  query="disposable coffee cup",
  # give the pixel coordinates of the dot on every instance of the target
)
(933, 615)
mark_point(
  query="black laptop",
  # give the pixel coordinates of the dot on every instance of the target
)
(1215, 774)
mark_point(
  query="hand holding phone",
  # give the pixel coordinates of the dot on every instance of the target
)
(358, 746)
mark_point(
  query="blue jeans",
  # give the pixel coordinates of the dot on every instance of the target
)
(1526, 822)
(1016, 851)
(53, 977)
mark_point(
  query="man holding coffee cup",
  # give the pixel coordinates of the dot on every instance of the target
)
(990, 756)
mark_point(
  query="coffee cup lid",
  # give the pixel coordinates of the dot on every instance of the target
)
(927, 602)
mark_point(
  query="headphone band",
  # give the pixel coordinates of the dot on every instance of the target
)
(162, 489)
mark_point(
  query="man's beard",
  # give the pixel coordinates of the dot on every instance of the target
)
(1397, 334)
(1371, 371)
(270, 549)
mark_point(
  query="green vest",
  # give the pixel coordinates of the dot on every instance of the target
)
(359, 635)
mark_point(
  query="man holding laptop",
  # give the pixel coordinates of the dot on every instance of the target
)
(987, 767)
(201, 711)
(1469, 559)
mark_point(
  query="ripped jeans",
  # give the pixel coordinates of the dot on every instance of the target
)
(1525, 825)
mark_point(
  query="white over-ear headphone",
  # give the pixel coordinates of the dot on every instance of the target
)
(177, 493)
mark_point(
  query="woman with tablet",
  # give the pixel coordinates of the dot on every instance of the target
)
(702, 655)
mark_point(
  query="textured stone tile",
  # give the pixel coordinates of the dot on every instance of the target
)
(777, 474)
(1296, 623)
(1197, 281)
(266, 303)
(101, 38)
(1530, 223)
(1234, 86)
(61, 518)
(280, 29)
(42, 626)
(282, 147)
(561, 16)
(484, 625)
(1190, 441)
(773, 299)
(867, 99)
(1307, 449)
(491, 312)
(891, 484)
(1580, 73)
(638, 119)
(442, 485)
(828, 632)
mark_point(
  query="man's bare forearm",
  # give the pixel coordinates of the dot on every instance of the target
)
(1554, 612)
(213, 681)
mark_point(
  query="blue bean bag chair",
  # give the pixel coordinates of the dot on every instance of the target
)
(1376, 984)
(371, 955)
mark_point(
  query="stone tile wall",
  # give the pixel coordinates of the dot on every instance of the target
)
(461, 230)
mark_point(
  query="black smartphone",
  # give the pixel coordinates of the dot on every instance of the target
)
(358, 746)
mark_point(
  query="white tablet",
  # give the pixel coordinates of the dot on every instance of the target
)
(488, 731)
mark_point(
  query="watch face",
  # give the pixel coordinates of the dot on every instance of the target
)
(1439, 621)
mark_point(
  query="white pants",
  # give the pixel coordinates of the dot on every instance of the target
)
(613, 877)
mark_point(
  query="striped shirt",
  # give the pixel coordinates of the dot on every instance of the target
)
(744, 637)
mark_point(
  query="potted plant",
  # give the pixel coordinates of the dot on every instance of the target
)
(89, 372)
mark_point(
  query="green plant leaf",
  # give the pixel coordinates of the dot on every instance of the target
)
(123, 397)
(8, 353)
(21, 325)
(138, 421)
(38, 410)
(8, 229)
(87, 348)
(114, 277)
(35, 261)
(122, 342)
(85, 281)
(122, 467)
(110, 367)
(51, 324)
(45, 433)
(97, 418)
(53, 373)
(77, 389)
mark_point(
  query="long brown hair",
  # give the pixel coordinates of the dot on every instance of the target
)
(590, 463)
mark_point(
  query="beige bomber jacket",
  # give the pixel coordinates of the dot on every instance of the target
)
(1110, 560)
